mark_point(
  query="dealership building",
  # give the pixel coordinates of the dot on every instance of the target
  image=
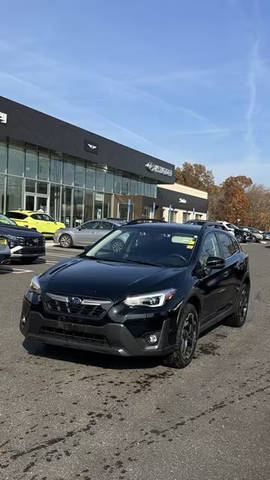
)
(74, 175)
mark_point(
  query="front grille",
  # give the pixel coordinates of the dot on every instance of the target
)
(30, 241)
(80, 336)
(84, 309)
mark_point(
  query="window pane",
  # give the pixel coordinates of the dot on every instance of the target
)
(100, 180)
(16, 159)
(133, 187)
(56, 167)
(107, 205)
(90, 177)
(78, 207)
(147, 191)
(42, 187)
(117, 184)
(14, 193)
(43, 164)
(125, 185)
(88, 205)
(109, 183)
(30, 186)
(140, 188)
(66, 206)
(98, 207)
(79, 174)
(55, 202)
(2, 192)
(3, 156)
(31, 161)
(68, 173)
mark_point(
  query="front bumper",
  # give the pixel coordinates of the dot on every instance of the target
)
(22, 252)
(116, 338)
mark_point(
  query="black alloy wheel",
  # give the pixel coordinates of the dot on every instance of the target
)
(186, 338)
(239, 317)
(65, 241)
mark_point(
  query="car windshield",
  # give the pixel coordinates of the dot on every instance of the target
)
(6, 220)
(170, 248)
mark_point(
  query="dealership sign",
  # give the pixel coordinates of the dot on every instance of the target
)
(154, 168)
(91, 147)
(3, 117)
(182, 200)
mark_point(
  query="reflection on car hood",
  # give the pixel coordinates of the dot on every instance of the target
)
(104, 279)
(17, 231)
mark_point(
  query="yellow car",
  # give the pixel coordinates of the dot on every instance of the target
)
(41, 222)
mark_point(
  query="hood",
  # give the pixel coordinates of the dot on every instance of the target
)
(104, 279)
(17, 231)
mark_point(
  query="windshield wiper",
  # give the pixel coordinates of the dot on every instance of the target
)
(142, 262)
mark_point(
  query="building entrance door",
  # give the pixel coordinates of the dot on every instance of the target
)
(36, 202)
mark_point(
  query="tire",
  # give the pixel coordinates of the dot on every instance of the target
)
(65, 241)
(186, 338)
(238, 318)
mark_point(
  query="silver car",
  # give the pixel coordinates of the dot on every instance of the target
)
(87, 233)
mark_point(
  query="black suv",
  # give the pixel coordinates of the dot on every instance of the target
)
(23, 243)
(143, 290)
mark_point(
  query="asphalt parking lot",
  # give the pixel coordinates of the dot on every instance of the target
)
(72, 415)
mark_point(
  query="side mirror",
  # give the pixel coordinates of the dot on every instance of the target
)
(215, 262)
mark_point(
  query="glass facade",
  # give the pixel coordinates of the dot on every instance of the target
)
(69, 189)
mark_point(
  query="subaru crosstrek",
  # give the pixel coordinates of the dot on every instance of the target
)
(142, 290)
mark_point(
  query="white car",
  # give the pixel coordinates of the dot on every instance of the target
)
(228, 226)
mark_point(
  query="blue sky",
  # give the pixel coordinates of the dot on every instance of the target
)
(184, 80)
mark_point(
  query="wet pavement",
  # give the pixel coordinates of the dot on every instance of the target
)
(67, 414)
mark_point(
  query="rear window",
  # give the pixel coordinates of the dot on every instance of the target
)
(17, 215)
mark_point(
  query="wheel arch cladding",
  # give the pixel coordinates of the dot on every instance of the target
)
(193, 300)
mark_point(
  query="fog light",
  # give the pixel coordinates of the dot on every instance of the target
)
(153, 339)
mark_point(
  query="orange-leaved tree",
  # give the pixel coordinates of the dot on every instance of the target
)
(233, 203)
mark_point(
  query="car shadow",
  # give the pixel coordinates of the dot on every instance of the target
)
(83, 357)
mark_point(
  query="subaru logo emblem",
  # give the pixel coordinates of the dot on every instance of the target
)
(74, 300)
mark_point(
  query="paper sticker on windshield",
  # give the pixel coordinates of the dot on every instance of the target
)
(183, 239)
(190, 247)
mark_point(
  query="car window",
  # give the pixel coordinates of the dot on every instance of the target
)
(18, 215)
(104, 226)
(37, 216)
(46, 218)
(227, 245)
(210, 248)
(89, 225)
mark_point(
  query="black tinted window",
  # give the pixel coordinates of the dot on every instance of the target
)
(89, 225)
(37, 216)
(210, 248)
(227, 245)
(105, 226)
(19, 216)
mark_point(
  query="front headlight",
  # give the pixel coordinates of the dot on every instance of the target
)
(35, 285)
(156, 299)
(12, 241)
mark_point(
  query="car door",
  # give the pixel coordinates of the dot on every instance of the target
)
(235, 266)
(210, 281)
(86, 234)
(36, 222)
(50, 224)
